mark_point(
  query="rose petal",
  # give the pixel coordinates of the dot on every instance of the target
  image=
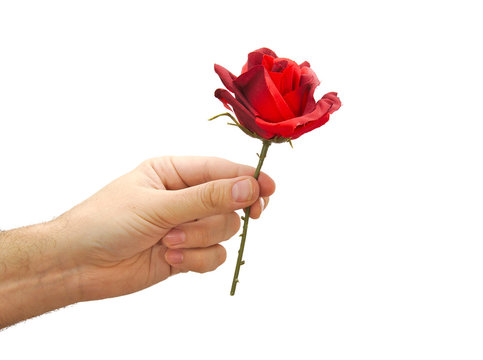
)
(260, 91)
(309, 79)
(244, 116)
(305, 64)
(267, 62)
(296, 77)
(280, 64)
(301, 100)
(334, 104)
(308, 76)
(256, 57)
(334, 101)
(302, 129)
(244, 68)
(276, 78)
(290, 78)
(295, 127)
(227, 79)
(297, 99)
(225, 103)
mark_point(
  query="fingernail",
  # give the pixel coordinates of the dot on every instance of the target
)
(242, 190)
(174, 257)
(175, 237)
(262, 204)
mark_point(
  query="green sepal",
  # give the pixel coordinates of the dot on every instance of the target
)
(275, 139)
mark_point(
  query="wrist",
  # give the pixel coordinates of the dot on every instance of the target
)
(37, 272)
(62, 266)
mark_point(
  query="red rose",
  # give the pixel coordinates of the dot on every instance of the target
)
(274, 97)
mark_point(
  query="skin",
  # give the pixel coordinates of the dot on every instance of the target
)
(165, 217)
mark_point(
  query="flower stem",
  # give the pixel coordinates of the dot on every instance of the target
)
(245, 218)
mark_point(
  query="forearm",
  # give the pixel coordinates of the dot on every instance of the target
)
(36, 273)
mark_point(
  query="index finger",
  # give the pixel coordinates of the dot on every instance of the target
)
(179, 172)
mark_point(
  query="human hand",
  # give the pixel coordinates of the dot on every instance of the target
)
(166, 216)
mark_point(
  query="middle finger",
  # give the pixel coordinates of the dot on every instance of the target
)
(204, 232)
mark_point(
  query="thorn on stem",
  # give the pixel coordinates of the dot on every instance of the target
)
(242, 262)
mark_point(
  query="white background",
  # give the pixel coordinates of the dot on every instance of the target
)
(371, 247)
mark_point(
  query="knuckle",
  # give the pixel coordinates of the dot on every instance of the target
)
(145, 167)
(203, 265)
(222, 255)
(210, 196)
(153, 163)
(255, 210)
(203, 237)
(266, 200)
(146, 163)
(210, 262)
(234, 224)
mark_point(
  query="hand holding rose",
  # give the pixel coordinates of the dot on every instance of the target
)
(165, 217)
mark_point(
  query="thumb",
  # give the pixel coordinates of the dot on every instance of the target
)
(211, 198)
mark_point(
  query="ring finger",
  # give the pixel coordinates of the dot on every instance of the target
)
(198, 260)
